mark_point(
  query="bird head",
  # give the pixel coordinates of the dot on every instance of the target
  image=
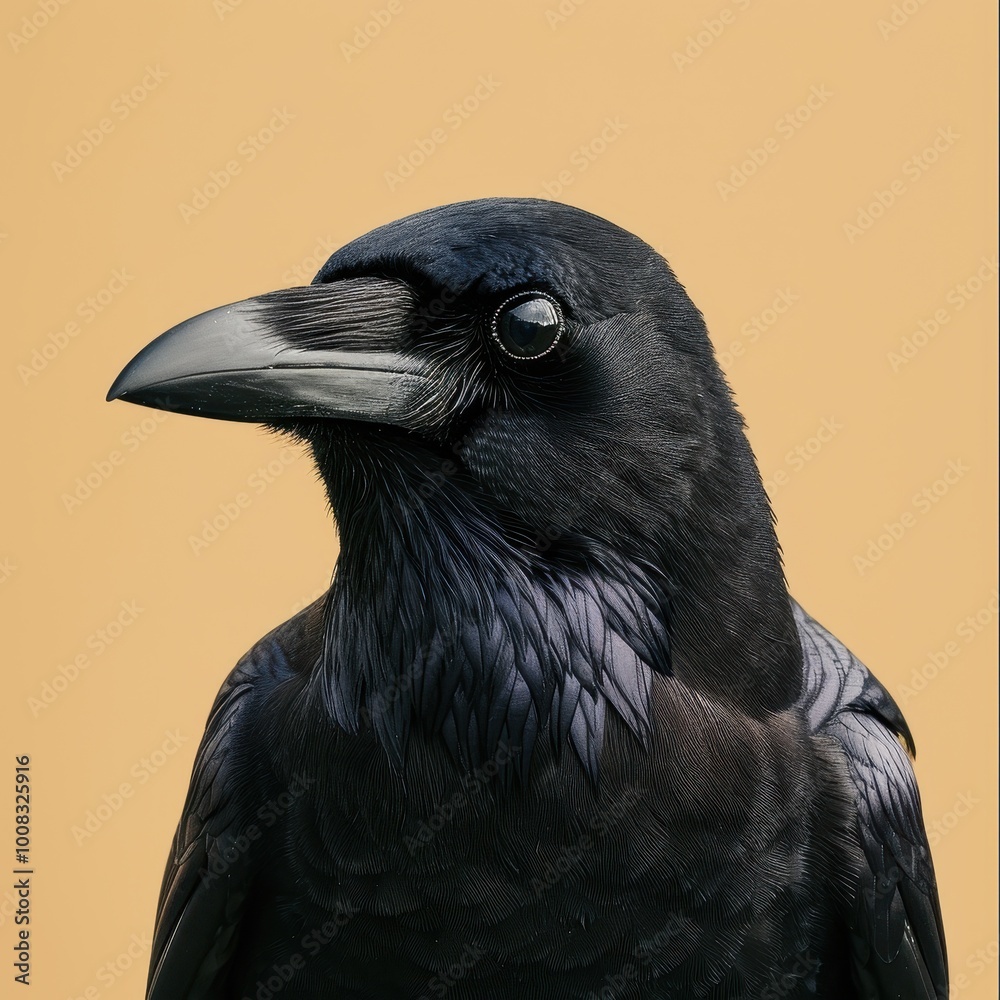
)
(543, 487)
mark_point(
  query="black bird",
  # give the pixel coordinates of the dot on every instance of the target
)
(557, 730)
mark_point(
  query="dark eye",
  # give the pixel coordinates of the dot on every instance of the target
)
(528, 325)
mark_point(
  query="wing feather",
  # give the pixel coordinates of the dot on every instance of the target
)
(210, 870)
(895, 924)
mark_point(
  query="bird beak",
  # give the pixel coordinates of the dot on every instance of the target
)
(331, 350)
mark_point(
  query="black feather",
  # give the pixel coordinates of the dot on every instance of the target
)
(557, 729)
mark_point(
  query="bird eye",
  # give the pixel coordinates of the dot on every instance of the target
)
(528, 325)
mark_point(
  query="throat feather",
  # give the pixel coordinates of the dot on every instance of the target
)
(491, 648)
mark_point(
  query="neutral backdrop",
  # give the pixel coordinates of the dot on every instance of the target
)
(821, 178)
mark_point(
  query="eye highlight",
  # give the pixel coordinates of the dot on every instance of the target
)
(528, 325)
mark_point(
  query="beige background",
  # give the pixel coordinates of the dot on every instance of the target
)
(549, 83)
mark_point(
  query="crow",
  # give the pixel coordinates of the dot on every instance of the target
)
(557, 729)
